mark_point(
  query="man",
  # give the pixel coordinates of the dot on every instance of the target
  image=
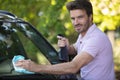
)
(94, 57)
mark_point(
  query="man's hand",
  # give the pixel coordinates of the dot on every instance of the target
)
(27, 64)
(62, 41)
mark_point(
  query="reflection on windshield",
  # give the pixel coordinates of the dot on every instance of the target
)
(6, 39)
(5, 31)
(22, 27)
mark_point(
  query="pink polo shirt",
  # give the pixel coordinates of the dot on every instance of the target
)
(96, 44)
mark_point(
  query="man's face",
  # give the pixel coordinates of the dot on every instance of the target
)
(80, 20)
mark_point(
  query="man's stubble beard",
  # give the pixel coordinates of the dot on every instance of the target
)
(87, 25)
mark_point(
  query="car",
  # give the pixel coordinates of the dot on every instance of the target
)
(12, 32)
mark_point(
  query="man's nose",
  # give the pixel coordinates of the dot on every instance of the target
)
(76, 21)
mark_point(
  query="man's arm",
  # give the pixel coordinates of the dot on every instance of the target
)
(63, 68)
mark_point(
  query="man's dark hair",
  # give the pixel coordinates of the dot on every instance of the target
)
(80, 4)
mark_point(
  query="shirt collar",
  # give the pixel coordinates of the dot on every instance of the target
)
(89, 31)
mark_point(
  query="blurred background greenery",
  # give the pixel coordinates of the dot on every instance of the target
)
(50, 17)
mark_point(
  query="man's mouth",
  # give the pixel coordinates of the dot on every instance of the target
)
(78, 27)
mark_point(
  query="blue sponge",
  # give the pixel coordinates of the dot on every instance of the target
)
(19, 69)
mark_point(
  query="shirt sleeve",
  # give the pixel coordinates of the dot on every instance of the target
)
(93, 45)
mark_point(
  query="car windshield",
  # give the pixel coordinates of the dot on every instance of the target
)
(9, 31)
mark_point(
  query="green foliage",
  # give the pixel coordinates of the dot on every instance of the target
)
(50, 17)
(50, 21)
(107, 14)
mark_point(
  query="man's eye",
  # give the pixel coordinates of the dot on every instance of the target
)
(72, 18)
(80, 17)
